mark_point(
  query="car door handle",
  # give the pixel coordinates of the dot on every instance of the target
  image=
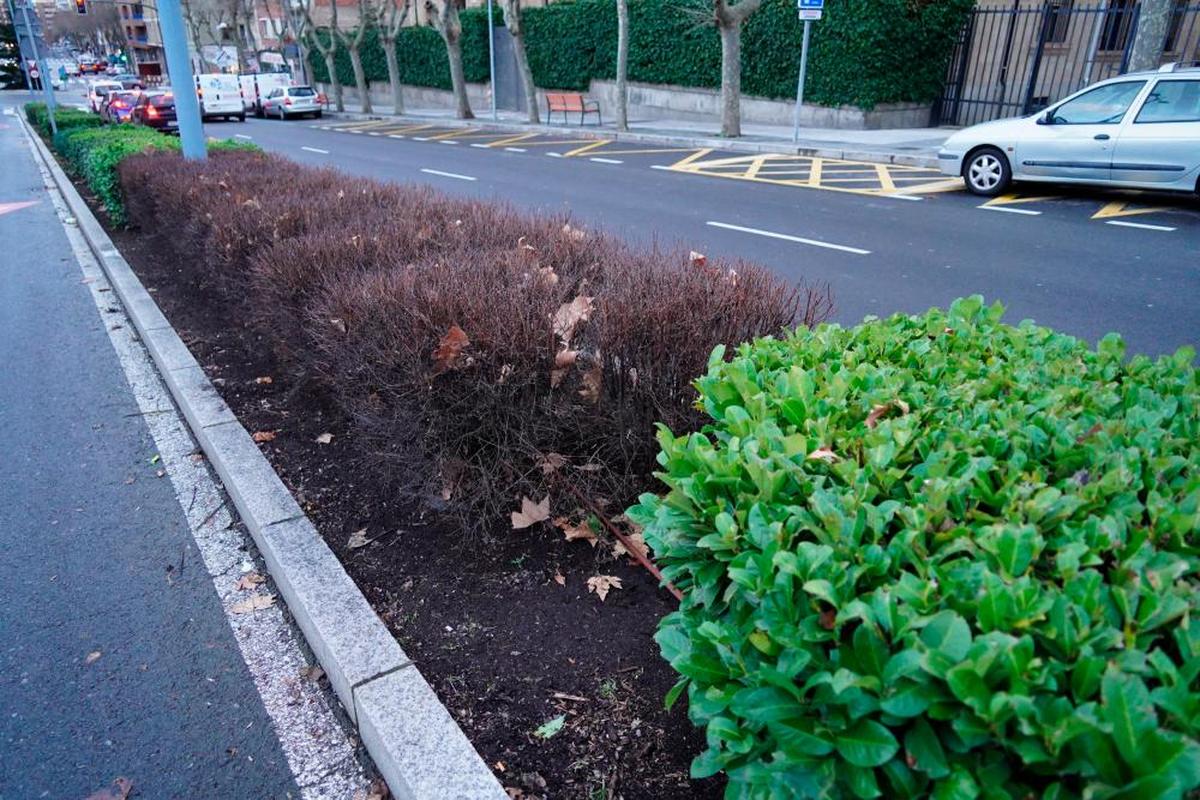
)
(1102, 137)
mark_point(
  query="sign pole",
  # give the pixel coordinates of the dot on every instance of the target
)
(183, 82)
(800, 82)
(43, 76)
(491, 57)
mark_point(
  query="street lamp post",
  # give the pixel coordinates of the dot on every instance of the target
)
(183, 82)
(492, 57)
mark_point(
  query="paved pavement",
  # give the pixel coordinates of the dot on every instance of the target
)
(887, 238)
(117, 658)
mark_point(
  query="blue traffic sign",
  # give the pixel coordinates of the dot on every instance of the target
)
(810, 5)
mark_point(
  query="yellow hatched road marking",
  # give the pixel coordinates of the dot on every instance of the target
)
(885, 178)
(814, 177)
(520, 137)
(691, 159)
(451, 134)
(755, 166)
(555, 142)
(635, 152)
(1014, 199)
(578, 151)
(1118, 208)
(408, 128)
(362, 126)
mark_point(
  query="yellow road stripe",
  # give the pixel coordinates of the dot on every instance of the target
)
(1117, 208)
(635, 152)
(1013, 199)
(690, 159)
(451, 134)
(520, 137)
(362, 126)
(755, 166)
(885, 178)
(814, 177)
(555, 142)
(578, 151)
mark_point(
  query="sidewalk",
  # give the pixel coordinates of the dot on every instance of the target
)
(117, 658)
(912, 146)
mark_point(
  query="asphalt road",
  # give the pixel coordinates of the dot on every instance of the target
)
(1062, 262)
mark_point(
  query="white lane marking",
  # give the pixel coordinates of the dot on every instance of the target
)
(1008, 210)
(555, 155)
(374, 133)
(1140, 225)
(789, 238)
(420, 138)
(661, 166)
(904, 197)
(395, 135)
(606, 160)
(317, 748)
(355, 131)
(477, 144)
(242, 136)
(448, 174)
(448, 141)
(322, 127)
(315, 150)
(515, 149)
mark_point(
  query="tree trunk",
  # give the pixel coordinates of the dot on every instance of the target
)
(457, 78)
(731, 78)
(334, 83)
(531, 101)
(360, 79)
(622, 65)
(1153, 19)
(393, 66)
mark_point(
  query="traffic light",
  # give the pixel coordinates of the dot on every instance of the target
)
(81, 6)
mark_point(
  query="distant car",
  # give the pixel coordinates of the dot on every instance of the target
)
(98, 92)
(289, 101)
(256, 87)
(118, 107)
(129, 81)
(1138, 131)
(155, 110)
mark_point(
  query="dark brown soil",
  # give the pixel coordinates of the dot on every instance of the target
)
(506, 647)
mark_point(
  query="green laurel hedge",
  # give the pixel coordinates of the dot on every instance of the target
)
(864, 52)
(938, 556)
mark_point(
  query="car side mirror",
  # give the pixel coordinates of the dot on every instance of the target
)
(1046, 119)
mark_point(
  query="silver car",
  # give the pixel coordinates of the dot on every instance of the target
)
(1140, 130)
(291, 101)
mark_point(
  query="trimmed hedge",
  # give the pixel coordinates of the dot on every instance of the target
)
(864, 52)
(65, 118)
(938, 556)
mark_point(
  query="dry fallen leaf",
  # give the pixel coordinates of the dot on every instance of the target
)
(531, 513)
(546, 276)
(92, 657)
(581, 531)
(552, 462)
(264, 436)
(313, 673)
(358, 539)
(119, 790)
(255, 603)
(601, 584)
(325, 438)
(592, 380)
(822, 454)
(559, 578)
(338, 324)
(878, 411)
(562, 364)
(248, 581)
(573, 233)
(636, 539)
(697, 259)
(449, 349)
(264, 379)
(569, 315)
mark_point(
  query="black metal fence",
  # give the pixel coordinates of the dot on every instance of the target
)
(1017, 59)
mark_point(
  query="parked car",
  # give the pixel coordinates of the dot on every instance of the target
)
(256, 87)
(289, 101)
(119, 106)
(220, 96)
(129, 81)
(1140, 130)
(98, 92)
(155, 110)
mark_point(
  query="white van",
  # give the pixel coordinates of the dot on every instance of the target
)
(256, 86)
(220, 96)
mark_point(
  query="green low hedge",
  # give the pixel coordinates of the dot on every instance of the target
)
(938, 556)
(65, 118)
(864, 52)
(93, 154)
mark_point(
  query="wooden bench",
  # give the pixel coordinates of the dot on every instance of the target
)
(571, 102)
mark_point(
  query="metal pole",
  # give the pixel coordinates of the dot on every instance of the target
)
(492, 57)
(12, 13)
(43, 76)
(800, 82)
(183, 83)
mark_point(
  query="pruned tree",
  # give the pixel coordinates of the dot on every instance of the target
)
(622, 65)
(352, 40)
(729, 18)
(512, 20)
(327, 49)
(445, 19)
(196, 20)
(390, 22)
(288, 24)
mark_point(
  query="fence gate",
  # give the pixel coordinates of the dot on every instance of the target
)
(1015, 59)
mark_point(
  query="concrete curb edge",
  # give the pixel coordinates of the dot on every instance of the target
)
(417, 746)
(846, 154)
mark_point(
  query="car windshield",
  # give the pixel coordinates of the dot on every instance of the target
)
(162, 100)
(124, 97)
(301, 91)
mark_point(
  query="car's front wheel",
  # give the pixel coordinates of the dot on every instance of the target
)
(987, 172)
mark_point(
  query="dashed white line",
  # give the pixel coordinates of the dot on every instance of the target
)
(904, 197)
(353, 131)
(483, 146)
(315, 150)
(420, 138)
(606, 160)
(395, 135)
(789, 238)
(242, 136)
(1140, 225)
(1008, 210)
(374, 133)
(661, 166)
(448, 174)
(555, 155)
(448, 141)
(515, 149)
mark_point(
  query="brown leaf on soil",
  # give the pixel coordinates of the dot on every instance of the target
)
(878, 411)
(119, 790)
(92, 657)
(264, 436)
(449, 349)
(822, 454)
(552, 462)
(324, 438)
(601, 584)
(592, 381)
(572, 532)
(619, 548)
(698, 259)
(531, 513)
(255, 603)
(569, 315)
(562, 365)
(358, 539)
(313, 673)
(559, 578)
(248, 581)
(264, 379)
(546, 276)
